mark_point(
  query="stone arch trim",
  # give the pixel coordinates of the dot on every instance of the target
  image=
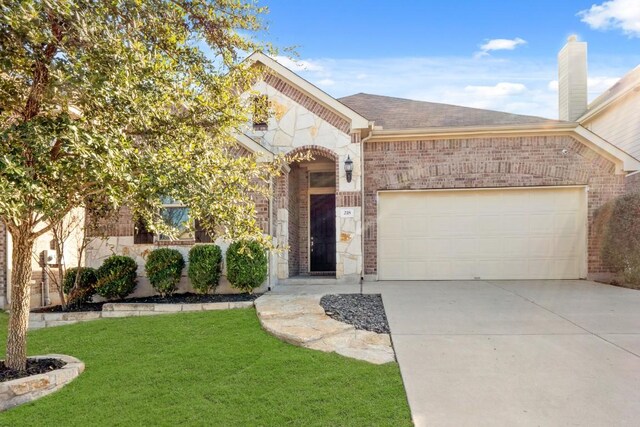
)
(315, 150)
(308, 102)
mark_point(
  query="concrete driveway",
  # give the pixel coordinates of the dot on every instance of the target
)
(498, 353)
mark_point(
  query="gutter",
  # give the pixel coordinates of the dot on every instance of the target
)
(471, 131)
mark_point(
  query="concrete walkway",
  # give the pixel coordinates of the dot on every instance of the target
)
(518, 353)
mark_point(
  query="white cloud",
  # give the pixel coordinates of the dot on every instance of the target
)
(614, 14)
(298, 65)
(499, 44)
(500, 89)
(326, 82)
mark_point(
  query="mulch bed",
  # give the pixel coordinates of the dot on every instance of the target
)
(186, 298)
(34, 367)
(364, 311)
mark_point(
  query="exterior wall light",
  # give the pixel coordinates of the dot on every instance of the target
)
(348, 168)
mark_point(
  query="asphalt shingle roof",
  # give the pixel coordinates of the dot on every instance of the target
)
(399, 113)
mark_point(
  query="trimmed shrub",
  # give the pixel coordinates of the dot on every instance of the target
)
(621, 237)
(205, 267)
(116, 277)
(246, 265)
(86, 285)
(164, 267)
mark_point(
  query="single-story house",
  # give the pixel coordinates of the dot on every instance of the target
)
(411, 190)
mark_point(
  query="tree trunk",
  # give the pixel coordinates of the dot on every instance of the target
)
(20, 300)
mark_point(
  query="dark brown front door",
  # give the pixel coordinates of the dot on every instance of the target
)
(322, 226)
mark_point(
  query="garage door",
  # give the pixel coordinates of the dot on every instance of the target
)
(533, 233)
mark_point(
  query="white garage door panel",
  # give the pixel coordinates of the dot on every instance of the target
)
(534, 233)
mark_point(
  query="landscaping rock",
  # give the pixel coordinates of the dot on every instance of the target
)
(365, 312)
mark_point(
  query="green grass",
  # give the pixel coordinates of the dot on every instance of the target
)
(209, 368)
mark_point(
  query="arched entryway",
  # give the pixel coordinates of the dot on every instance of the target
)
(312, 214)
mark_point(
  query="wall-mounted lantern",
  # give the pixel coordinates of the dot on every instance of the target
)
(348, 168)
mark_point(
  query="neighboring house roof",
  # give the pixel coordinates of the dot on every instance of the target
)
(399, 113)
(628, 83)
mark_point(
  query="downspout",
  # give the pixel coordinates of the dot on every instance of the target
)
(362, 141)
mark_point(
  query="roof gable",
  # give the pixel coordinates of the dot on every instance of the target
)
(628, 83)
(285, 77)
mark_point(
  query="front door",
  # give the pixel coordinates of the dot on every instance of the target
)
(322, 232)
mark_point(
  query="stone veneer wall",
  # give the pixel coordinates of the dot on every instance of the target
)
(632, 183)
(307, 102)
(486, 162)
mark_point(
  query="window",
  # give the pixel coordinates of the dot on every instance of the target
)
(322, 179)
(176, 215)
(260, 112)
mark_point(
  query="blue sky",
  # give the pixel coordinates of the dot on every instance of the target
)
(488, 54)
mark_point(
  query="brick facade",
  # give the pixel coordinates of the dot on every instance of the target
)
(486, 162)
(294, 220)
(632, 183)
(120, 225)
(348, 198)
(303, 212)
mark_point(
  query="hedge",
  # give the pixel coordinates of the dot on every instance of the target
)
(246, 265)
(117, 277)
(164, 268)
(205, 267)
(620, 227)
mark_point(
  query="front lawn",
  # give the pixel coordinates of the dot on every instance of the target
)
(208, 368)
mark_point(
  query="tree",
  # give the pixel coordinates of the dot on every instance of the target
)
(114, 102)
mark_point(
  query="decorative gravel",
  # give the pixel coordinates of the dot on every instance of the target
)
(185, 298)
(364, 311)
(34, 367)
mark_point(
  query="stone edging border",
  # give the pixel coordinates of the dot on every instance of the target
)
(110, 310)
(300, 320)
(23, 390)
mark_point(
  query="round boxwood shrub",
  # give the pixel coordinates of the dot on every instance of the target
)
(86, 285)
(164, 268)
(117, 277)
(205, 267)
(246, 265)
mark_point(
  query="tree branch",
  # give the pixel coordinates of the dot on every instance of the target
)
(41, 72)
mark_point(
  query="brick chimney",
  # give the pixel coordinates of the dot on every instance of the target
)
(572, 79)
